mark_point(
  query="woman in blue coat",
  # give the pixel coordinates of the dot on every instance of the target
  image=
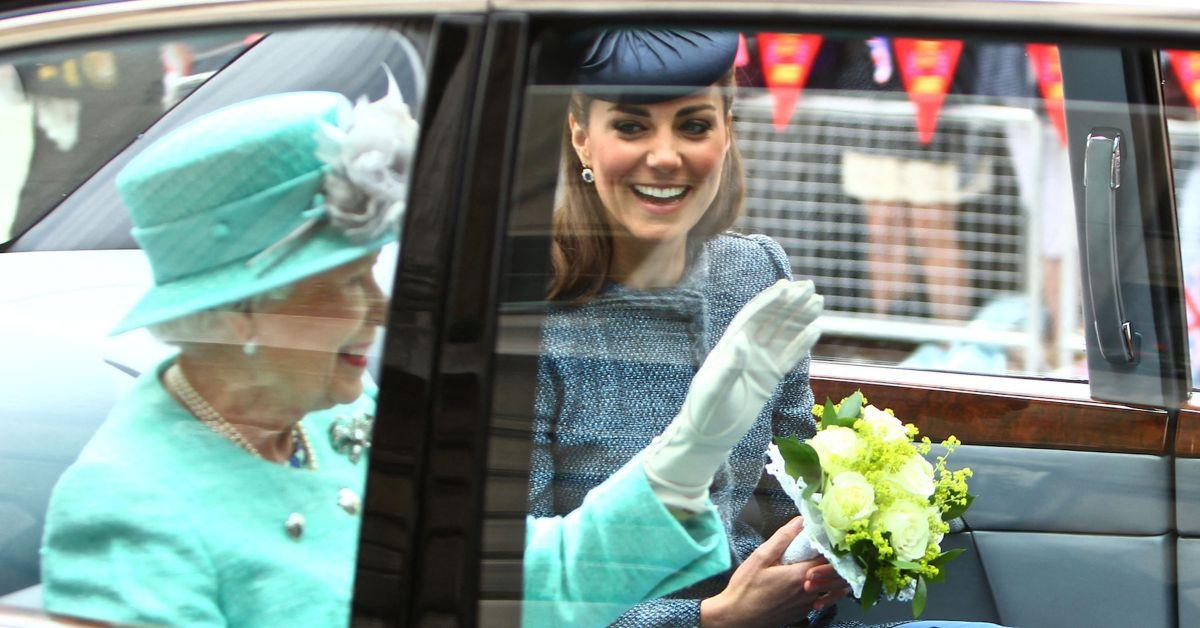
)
(650, 528)
(649, 286)
(647, 281)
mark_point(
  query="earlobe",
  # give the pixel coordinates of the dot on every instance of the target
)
(241, 327)
(578, 139)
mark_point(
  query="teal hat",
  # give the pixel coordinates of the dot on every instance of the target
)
(261, 194)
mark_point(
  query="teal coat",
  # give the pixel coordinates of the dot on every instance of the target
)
(162, 521)
(620, 547)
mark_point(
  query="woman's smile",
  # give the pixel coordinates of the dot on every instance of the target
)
(355, 354)
(661, 199)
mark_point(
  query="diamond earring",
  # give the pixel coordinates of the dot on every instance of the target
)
(250, 348)
(588, 175)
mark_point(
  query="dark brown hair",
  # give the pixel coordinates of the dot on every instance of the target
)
(581, 251)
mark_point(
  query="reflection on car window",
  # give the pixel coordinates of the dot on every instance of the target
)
(205, 461)
(69, 112)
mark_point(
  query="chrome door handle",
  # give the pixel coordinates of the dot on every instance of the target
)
(1119, 342)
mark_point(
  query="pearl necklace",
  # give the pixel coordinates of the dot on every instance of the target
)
(209, 416)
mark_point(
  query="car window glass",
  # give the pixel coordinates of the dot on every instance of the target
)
(67, 113)
(923, 186)
(941, 235)
(237, 241)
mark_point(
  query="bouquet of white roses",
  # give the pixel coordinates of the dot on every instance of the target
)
(872, 504)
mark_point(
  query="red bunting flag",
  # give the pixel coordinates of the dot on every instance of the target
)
(926, 68)
(786, 61)
(1048, 70)
(1186, 64)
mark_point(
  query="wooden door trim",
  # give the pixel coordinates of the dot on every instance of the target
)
(1001, 411)
(1187, 438)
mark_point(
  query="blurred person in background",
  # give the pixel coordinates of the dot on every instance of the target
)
(909, 191)
(87, 104)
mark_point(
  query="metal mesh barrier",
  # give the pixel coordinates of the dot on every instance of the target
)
(796, 194)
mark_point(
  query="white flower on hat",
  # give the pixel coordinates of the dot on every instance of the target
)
(369, 154)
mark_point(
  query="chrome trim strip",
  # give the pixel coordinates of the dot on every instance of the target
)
(1150, 17)
(140, 15)
(1147, 17)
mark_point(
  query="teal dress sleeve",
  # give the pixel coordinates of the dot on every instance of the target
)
(122, 550)
(621, 546)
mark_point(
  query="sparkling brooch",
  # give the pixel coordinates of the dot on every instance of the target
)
(351, 434)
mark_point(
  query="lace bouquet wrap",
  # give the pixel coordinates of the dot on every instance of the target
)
(873, 506)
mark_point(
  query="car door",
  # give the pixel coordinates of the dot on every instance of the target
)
(85, 88)
(1034, 314)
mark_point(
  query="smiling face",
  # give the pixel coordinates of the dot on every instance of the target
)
(313, 344)
(657, 167)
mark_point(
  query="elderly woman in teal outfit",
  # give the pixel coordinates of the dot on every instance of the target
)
(226, 488)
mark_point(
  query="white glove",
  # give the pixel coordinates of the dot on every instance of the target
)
(764, 341)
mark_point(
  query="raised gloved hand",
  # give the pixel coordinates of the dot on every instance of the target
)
(764, 341)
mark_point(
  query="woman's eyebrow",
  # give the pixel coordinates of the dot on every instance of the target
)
(633, 111)
(687, 111)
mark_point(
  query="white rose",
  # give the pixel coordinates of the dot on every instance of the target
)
(916, 477)
(885, 425)
(848, 498)
(837, 447)
(908, 523)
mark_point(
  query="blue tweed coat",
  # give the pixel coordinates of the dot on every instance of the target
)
(614, 372)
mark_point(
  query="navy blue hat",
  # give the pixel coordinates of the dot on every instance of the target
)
(643, 66)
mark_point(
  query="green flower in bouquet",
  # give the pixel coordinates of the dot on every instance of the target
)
(883, 508)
